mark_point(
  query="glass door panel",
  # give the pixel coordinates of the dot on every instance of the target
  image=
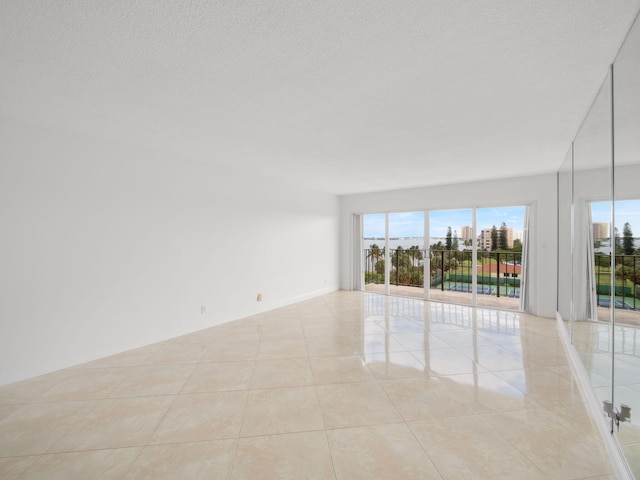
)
(406, 254)
(500, 256)
(373, 242)
(451, 256)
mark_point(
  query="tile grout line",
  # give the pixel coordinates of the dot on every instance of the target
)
(146, 444)
(246, 401)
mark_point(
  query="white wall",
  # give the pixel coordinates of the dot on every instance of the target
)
(541, 191)
(106, 248)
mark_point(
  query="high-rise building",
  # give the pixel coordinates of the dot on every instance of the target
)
(466, 232)
(600, 230)
(484, 239)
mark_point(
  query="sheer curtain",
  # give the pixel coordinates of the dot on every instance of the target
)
(524, 277)
(592, 294)
(358, 254)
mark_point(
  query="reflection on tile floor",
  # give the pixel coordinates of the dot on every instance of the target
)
(348, 385)
(592, 341)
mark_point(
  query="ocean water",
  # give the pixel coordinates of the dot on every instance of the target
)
(406, 242)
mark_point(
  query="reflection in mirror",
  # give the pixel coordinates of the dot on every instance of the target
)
(565, 274)
(592, 183)
(592, 210)
(626, 387)
(604, 244)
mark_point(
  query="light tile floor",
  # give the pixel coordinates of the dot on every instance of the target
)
(348, 385)
(592, 341)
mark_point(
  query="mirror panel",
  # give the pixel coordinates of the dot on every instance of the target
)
(565, 273)
(599, 247)
(626, 385)
(591, 233)
(592, 160)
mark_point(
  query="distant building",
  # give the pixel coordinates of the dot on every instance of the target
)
(512, 270)
(600, 230)
(484, 239)
(466, 232)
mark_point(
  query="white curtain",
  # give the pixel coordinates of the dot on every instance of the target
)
(358, 254)
(592, 294)
(524, 298)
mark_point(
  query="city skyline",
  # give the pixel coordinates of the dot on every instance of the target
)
(411, 224)
(626, 211)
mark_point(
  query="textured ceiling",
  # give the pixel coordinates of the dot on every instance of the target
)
(341, 96)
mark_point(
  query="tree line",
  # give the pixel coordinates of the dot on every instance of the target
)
(624, 245)
(499, 241)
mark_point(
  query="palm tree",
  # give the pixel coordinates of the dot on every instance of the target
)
(627, 240)
(502, 237)
(415, 252)
(494, 238)
(374, 254)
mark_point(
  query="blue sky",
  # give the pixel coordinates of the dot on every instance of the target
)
(512, 216)
(411, 224)
(439, 220)
(626, 211)
(373, 225)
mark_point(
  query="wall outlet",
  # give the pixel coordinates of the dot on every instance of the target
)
(203, 309)
(259, 297)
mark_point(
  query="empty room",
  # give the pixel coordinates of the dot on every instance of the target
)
(247, 240)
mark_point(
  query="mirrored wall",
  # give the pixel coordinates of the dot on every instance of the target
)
(599, 249)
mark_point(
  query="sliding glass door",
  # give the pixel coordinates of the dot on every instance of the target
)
(406, 254)
(451, 263)
(500, 256)
(461, 262)
(374, 229)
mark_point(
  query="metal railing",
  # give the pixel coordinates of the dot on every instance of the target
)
(627, 281)
(498, 273)
(406, 269)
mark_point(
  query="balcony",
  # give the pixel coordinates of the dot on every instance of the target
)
(451, 272)
(499, 277)
(627, 287)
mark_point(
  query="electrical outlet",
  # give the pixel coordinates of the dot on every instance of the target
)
(203, 309)
(259, 297)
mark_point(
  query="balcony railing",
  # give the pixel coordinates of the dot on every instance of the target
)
(627, 281)
(498, 273)
(407, 266)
